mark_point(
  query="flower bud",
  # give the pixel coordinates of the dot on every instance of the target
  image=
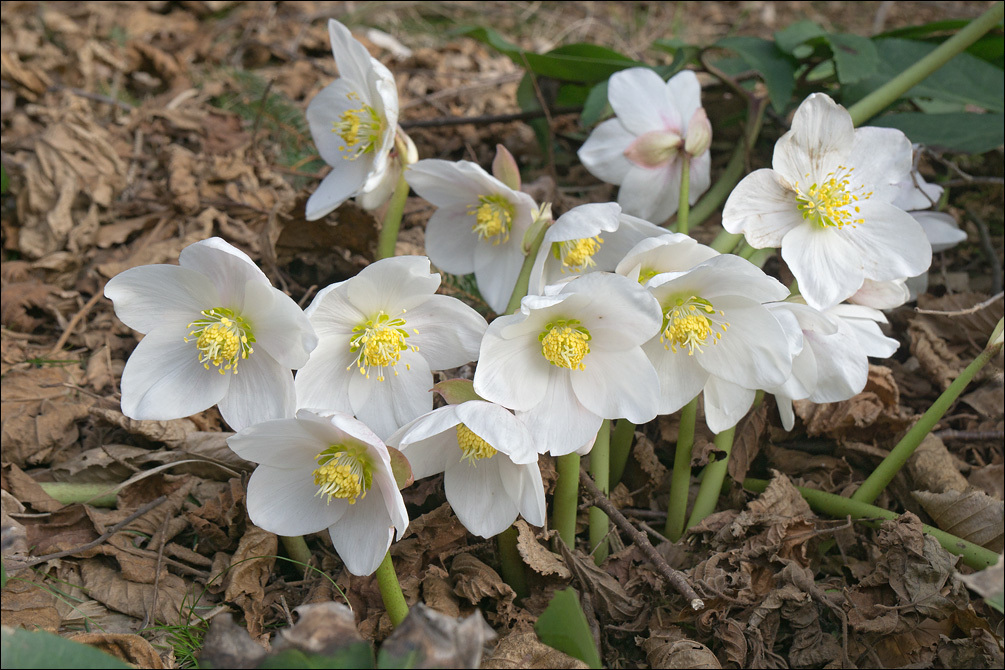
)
(699, 134)
(505, 169)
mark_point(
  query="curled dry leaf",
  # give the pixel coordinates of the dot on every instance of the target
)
(228, 645)
(474, 581)
(878, 405)
(610, 599)
(251, 568)
(439, 641)
(322, 628)
(537, 556)
(932, 467)
(989, 582)
(747, 442)
(669, 648)
(524, 650)
(971, 514)
(132, 649)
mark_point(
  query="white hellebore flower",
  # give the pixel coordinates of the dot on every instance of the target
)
(353, 122)
(572, 358)
(657, 126)
(670, 252)
(217, 332)
(488, 461)
(718, 337)
(381, 335)
(827, 203)
(324, 471)
(587, 238)
(478, 227)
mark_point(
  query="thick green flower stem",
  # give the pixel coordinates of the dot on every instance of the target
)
(392, 218)
(621, 448)
(513, 571)
(390, 591)
(680, 481)
(96, 495)
(566, 499)
(684, 205)
(891, 465)
(878, 100)
(296, 549)
(715, 475)
(600, 470)
(725, 242)
(976, 556)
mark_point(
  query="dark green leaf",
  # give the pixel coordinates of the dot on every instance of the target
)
(595, 108)
(386, 661)
(966, 133)
(855, 56)
(796, 35)
(776, 68)
(357, 655)
(990, 47)
(3, 179)
(563, 626)
(37, 649)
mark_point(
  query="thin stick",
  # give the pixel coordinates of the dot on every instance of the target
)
(75, 320)
(675, 577)
(970, 310)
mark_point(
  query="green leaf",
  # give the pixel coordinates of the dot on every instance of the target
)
(37, 649)
(965, 79)
(855, 56)
(563, 626)
(800, 32)
(401, 469)
(990, 47)
(777, 69)
(960, 131)
(356, 655)
(596, 107)
(386, 661)
(456, 391)
(4, 182)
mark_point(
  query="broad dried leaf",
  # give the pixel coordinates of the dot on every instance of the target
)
(971, 514)
(609, 597)
(878, 405)
(228, 645)
(437, 640)
(475, 581)
(933, 468)
(250, 570)
(538, 557)
(174, 598)
(27, 603)
(17, 298)
(524, 650)
(747, 443)
(132, 649)
(938, 360)
(321, 628)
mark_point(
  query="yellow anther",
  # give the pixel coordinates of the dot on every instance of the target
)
(379, 342)
(577, 255)
(691, 323)
(360, 129)
(343, 472)
(565, 344)
(473, 447)
(830, 203)
(222, 338)
(493, 218)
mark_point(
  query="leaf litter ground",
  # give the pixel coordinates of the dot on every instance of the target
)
(131, 130)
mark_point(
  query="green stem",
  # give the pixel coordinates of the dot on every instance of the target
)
(513, 572)
(392, 218)
(566, 500)
(715, 475)
(684, 206)
(726, 242)
(621, 448)
(600, 469)
(761, 256)
(296, 549)
(390, 591)
(976, 556)
(680, 481)
(68, 493)
(875, 102)
(523, 279)
(891, 465)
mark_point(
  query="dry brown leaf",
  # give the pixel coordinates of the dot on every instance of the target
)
(228, 645)
(475, 581)
(990, 479)
(439, 641)
(250, 571)
(17, 298)
(538, 557)
(438, 593)
(933, 468)
(747, 443)
(988, 399)
(27, 603)
(524, 650)
(321, 628)
(174, 597)
(182, 181)
(131, 649)
(972, 515)
(28, 491)
(62, 530)
(877, 404)
(609, 598)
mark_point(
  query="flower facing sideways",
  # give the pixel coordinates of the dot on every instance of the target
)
(488, 459)
(217, 332)
(381, 334)
(324, 471)
(353, 122)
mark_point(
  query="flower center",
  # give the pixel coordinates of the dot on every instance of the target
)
(493, 218)
(577, 255)
(360, 129)
(654, 148)
(832, 202)
(223, 338)
(565, 343)
(473, 447)
(343, 472)
(379, 342)
(691, 323)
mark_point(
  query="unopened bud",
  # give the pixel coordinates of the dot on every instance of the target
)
(505, 169)
(998, 335)
(699, 134)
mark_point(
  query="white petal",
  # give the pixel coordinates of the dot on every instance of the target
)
(334, 189)
(882, 158)
(281, 328)
(261, 390)
(392, 285)
(940, 228)
(285, 502)
(378, 188)
(324, 382)
(444, 183)
(525, 487)
(450, 332)
(149, 296)
(511, 372)
(684, 92)
(163, 379)
(560, 424)
(700, 176)
(603, 153)
(640, 100)
(429, 442)
(651, 193)
(890, 244)
(282, 443)
(332, 314)
(497, 426)
(842, 367)
(680, 376)
(725, 404)
(352, 58)
(363, 535)
(882, 294)
(785, 412)
(496, 271)
(618, 384)
(325, 110)
(754, 352)
(762, 207)
(475, 493)
(229, 268)
(385, 406)
(827, 267)
(450, 242)
(821, 138)
(618, 312)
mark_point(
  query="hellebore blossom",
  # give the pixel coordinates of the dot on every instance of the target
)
(478, 227)
(718, 338)
(353, 122)
(587, 238)
(827, 202)
(324, 471)
(488, 461)
(571, 358)
(381, 334)
(670, 252)
(217, 332)
(657, 126)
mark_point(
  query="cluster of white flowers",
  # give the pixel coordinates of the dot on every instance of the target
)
(622, 319)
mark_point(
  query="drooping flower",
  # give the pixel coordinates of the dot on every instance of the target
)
(381, 335)
(478, 227)
(657, 126)
(324, 471)
(353, 122)
(587, 238)
(718, 338)
(827, 202)
(571, 358)
(488, 461)
(217, 332)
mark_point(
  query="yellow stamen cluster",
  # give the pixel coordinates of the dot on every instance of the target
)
(691, 323)
(565, 343)
(223, 339)
(473, 447)
(343, 472)
(360, 129)
(494, 216)
(379, 342)
(577, 255)
(832, 202)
